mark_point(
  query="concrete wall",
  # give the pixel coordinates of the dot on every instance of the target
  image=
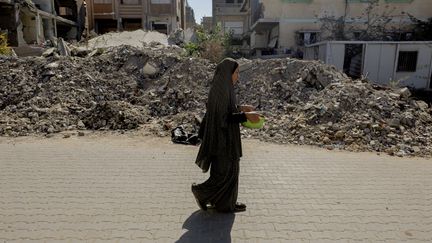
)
(322, 53)
(45, 5)
(232, 18)
(381, 60)
(336, 55)
(229, 12)
(145, 10)
(306, 10)
(381, 64)
(259, 40)
(30, 28)
(207, 23)
(300, 15)
(287, 38)
(421, 78)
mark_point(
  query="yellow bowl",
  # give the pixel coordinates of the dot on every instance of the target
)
(256, 125)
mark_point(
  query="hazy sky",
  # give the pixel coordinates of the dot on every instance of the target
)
(201, 8)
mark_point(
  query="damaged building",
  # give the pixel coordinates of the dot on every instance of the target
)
(164, 16)
(34, 22)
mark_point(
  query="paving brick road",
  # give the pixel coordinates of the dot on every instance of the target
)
(115, 188)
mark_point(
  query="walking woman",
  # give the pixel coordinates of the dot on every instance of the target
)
(221, 149)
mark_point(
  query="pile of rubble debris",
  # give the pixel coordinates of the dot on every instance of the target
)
(309, 103)
(156, 88)
(138, 38)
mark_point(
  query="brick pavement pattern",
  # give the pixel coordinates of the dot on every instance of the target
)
(137, 189)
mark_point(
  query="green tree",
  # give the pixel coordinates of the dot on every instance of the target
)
(212, 45)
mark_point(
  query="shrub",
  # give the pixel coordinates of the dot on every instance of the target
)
(4, 48)
(212, 45)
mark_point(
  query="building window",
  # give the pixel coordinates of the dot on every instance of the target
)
(130, 2)
(161, 1)
(398, 1)
(296, 1)
(229, 1)
(407, 61)
(63, 11)
(235, 27)
(102, 1)
(306, 38)
(160, 27)
(361, 1)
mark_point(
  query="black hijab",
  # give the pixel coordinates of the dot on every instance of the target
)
(219, 135)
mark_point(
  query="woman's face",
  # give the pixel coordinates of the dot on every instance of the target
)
(235, 75)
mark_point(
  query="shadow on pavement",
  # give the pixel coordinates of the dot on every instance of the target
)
(208, 226)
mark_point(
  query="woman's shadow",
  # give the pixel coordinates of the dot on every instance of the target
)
(208, 226)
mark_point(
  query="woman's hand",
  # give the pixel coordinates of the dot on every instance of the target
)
(252, 116)
(247, 108)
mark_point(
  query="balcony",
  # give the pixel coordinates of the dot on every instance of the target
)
(228, 9)
(161, 9)
(130, 11)
(102, 11)
(228, 5)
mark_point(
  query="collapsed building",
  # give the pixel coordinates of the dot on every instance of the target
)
(34, 22)
(164, 16)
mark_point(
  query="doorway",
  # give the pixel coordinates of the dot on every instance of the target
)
(353, 60)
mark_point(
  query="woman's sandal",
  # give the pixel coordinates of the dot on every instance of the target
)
(240, 207)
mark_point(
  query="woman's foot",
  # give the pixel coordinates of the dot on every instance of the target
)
(201, 205)
(239, 207)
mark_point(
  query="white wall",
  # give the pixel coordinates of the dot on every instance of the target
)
(379, 62)
(420, 78)
(258, 40)
(336, 55)
(322, 55)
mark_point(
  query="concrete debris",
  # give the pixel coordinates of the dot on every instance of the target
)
(138, 38)
(63, 47)
(115, 115)
(181, 37)
(157, 89)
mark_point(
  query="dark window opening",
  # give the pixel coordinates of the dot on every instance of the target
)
(357, 35)
(229, 1)
(353, 60)
(105, 25)
(430, 82)
(130, 2)
(407, 61)
(162, 28)
(306, 38)
(132, 24)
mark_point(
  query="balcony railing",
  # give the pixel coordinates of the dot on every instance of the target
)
(130, 11)
(228, 5)
(102, 8)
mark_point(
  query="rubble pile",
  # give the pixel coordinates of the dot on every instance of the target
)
(115, 115)
(137, 38)
(157, 89)
(308, 103)
(120, 88)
